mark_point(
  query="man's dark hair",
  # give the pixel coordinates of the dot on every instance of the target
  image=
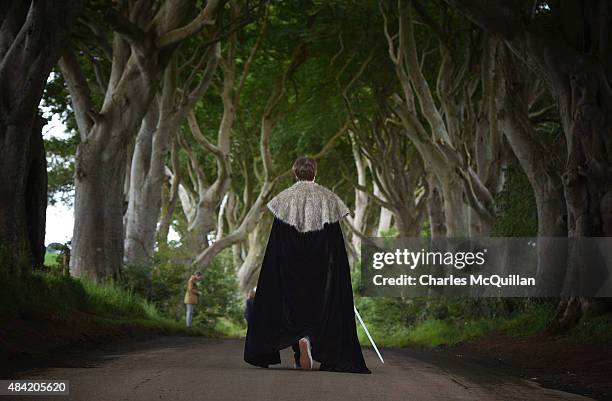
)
(305, 168)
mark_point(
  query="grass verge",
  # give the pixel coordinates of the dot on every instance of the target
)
(451, 331)
(64, 297)
(47, 313)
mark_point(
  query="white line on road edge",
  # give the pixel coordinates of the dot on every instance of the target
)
(368, 334)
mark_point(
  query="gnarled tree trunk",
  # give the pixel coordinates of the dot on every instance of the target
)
(437, 121)
(540, 163)
(257, 241)
(576, 71)
(361, 197)
(144, 193)
(32, 34)
(142, 46)
(200, 199)
(435, 207)
(157, 132)
(385, 215)
(170, 195)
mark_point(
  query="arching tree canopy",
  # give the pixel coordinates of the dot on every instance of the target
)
(187, 115)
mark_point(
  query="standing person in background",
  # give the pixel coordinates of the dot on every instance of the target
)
(192, 296)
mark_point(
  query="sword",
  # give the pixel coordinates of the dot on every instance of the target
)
(368, 334)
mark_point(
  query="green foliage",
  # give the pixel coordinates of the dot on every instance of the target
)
(435, 332)
(339, 35)
(517, 213)
(112, 299)
(60, 168)
(56, 247)
(60, 150)
(391, 232)
(64, 296)
(220, 299)
(429, 322)
(153, 299)
(50, 259)
(599, 327)
(165, 281)
(392, 325)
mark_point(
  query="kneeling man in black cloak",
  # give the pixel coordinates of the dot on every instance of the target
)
(304, 293)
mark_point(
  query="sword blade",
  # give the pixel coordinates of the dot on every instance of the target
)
(368, 334)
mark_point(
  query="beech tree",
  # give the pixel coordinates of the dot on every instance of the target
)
(157, 132)
(568, 45)
(249, 69)
(358, 220)
(439, 121)
(143, 40)
(268, 177)
(399, 175)
(525, 105)
(32, 35)
(200, 196)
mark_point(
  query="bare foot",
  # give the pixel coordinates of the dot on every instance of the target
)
(305, 355)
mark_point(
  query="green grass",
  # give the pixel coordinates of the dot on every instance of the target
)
(599, 327)
(433, 332)
(50, 259)
(111, 299)
(229, 328)
(65, 297)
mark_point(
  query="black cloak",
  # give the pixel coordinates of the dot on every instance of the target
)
(304, 286)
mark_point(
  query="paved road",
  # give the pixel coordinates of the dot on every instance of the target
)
(194, 369)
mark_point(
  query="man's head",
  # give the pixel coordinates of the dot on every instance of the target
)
(198, 275)
(305, 168)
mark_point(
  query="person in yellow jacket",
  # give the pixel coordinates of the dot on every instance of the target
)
(192, 296)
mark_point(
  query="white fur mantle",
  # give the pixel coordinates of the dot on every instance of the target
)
(308, 206)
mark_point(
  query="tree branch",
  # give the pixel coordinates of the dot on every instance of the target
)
(332, 141)
(202, 140)
(125, 27)
(280, 87)
(498, 16)
(79, 91)
(204, 18)
(251, 57)
(190, 100)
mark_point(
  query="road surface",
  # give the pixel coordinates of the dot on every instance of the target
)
(191, 369)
